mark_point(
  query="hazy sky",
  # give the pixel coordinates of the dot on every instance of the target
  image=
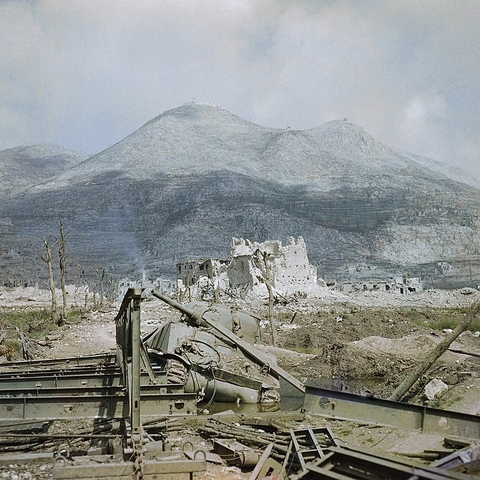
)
(85, 73)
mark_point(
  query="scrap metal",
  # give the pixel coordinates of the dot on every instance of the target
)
(346, 406)
(348, 463)
(149, 381)
(127, 388)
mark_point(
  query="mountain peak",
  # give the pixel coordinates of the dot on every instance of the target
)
(199, 138)
(187, 109)
(202, 113)
(348, 139)
(188, 181)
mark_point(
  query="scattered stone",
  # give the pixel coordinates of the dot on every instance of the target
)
(435, 388)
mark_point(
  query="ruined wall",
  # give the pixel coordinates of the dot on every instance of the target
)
(291, 269)
(402, 284)
(161, 285)
(242, 272)
(286, 267)
(190, 272)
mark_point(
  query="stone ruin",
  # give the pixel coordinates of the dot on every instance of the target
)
(253, 264)
(286, 267)
(402, 284)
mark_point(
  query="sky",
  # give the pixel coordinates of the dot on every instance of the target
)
(84, 74)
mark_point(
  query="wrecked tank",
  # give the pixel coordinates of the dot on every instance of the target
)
(212, 352)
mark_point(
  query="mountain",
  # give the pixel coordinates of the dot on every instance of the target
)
(192, 178)
(196, 139)
(22, 167)
(455, 173)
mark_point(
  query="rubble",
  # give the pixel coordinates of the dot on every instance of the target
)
(355, 435)
(435, 388)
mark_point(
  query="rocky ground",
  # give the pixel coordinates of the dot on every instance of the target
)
(363, 342)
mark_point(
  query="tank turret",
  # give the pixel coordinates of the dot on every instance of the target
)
(218, 336)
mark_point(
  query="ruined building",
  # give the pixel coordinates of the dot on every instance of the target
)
(400, 284)
(192, 271)
(286, 267)
(252, 264)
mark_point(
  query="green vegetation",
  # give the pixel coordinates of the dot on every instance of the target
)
(35, 323)
(32, 322)
(438, 318)
(345, 430)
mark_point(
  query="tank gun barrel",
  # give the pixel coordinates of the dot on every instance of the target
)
(249, 350)
(173, 303)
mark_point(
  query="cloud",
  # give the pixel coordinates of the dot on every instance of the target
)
(421, 123)
(86, 73)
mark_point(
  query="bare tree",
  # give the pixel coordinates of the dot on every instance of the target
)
(101, 273)
(190, 278)
(264, 266)
(63, 270)
(48, 260)
(112, 281)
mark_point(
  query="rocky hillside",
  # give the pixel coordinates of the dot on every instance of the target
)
(190, 179)
(22, 167)
(199, 139)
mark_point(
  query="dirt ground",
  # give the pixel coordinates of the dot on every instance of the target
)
(357, 342)
(364, 342)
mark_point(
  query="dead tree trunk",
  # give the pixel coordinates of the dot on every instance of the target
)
(111, 294)
(268, 282)
(270, 312)
(63, 271)
(432, 357)
(48, 260)
(101, 274)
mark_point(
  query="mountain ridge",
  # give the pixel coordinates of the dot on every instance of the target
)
(190, 179)
(23, 166)
(196, 138)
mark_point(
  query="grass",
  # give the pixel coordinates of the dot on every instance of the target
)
(345, 430)
(32, 322)
(35, 323)
(439, 318)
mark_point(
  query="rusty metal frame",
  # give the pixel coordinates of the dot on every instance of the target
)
(72, 378)
(347, 406)
(98, 387)
(167, 468)
(95, 403)
(344, 463)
